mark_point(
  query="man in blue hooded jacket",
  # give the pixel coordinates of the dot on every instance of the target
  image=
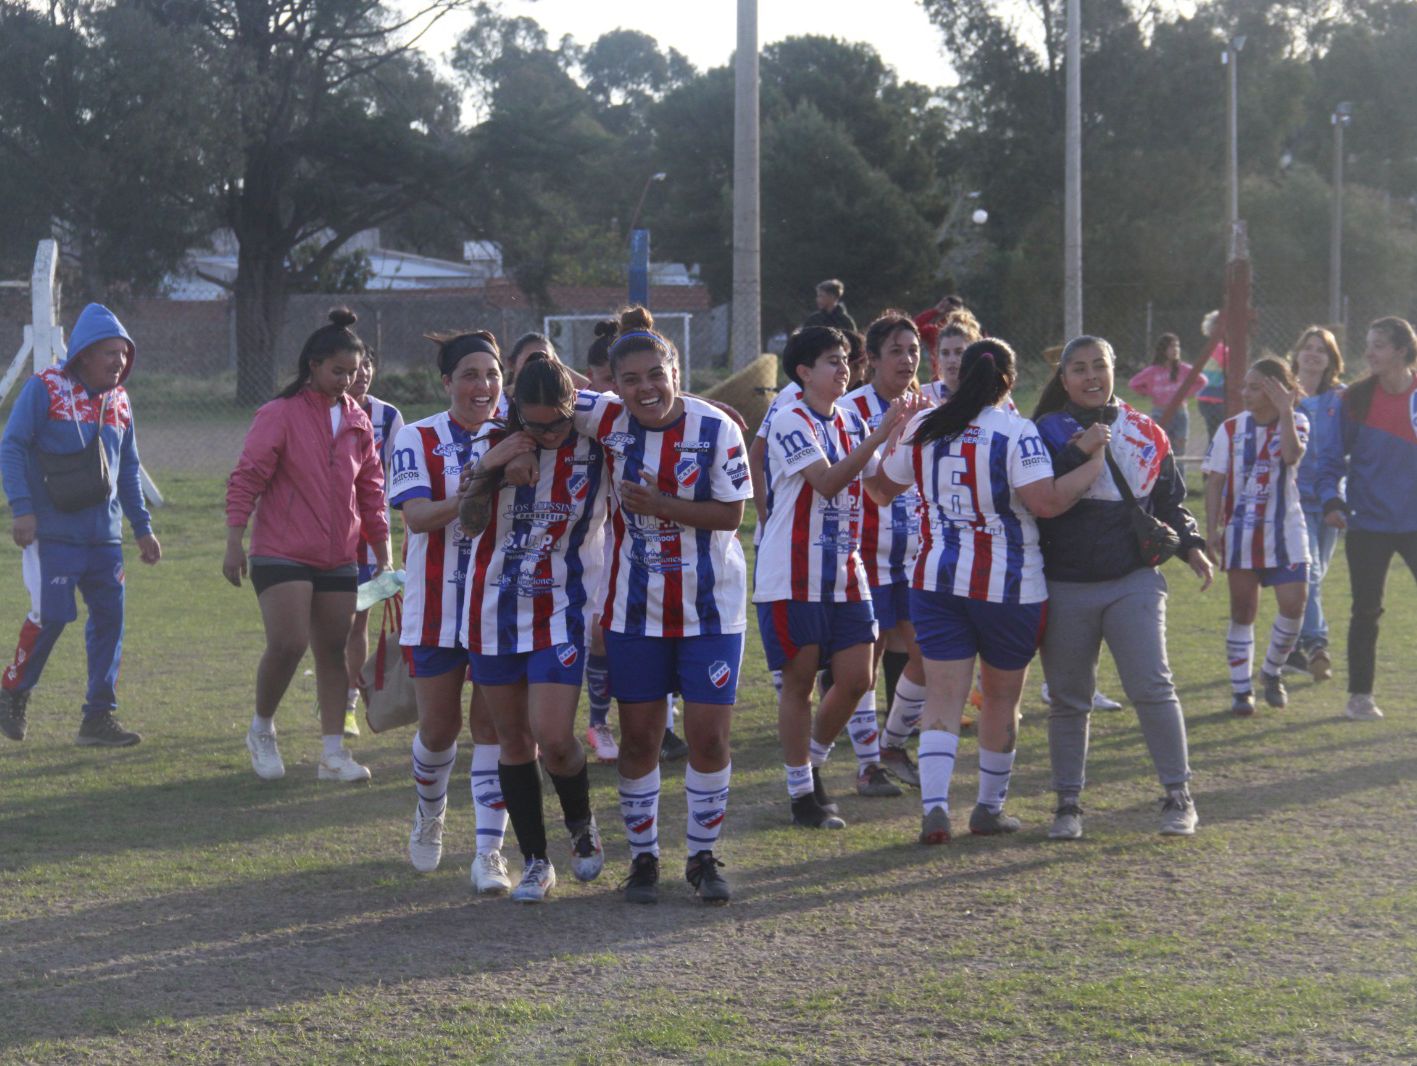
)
(59, 411)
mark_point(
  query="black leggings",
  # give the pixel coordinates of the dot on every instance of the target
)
(1369, 555)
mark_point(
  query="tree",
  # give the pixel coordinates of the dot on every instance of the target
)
(339, 125)
(111, 136)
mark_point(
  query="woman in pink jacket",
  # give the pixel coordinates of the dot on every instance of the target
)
(1160, 382)
(310, 461)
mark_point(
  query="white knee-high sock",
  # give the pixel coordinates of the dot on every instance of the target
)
(937, 764)
(905, 712)
(639, 807)
(489, 809)
(995, 767)
(865, 732)
(1240, 648)
(1283, 636)
(707, 796)
(431, 770)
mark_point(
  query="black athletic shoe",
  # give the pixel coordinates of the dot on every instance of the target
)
(819, 790)
(1242, 704)
(673, 748)
(810, 814)
(642, 886)
(1297, 663)
(701, 871)
(986, 823)
(1274, 691)
(12, 713)
(105, 731)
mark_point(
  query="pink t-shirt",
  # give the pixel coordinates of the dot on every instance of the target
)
(1155, 383)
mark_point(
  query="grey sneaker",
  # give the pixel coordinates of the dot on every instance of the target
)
(935, 826)
(102, 730)
(874, 781)
(1067, 823)
(986, 823)
(901, 766)
(1178, 813)
(1274, 692)
(12, 713)
(587, 856)
(538, 879)
(1361, 708)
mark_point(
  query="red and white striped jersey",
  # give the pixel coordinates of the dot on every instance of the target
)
(810, 546)
(538, 562)
(668, 580)
(387, 421)
(427, 459)
(1264, 519)
(890, 535)
(977, 539)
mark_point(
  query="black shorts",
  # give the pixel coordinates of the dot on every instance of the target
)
(266, 571)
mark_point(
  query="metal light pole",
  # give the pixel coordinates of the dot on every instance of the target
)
(1342, 117)
(1072, 178)
(1231, 58)
(658, 175)
(747, 335)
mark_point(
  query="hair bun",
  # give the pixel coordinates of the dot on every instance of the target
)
(606, 327)
(636, 318)
(343, 317)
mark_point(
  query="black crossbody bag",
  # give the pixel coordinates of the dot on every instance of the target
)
(1156, 540)
(76, 480)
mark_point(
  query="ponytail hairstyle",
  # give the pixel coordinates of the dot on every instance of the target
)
(1333, 373)
(636, 333)
(1359, 398)
(986, 374)
(454, 345)
(887, 324)
(1054, 396)
(1159, 355)
(543, 383)
(338, 336)
(805, 346)
(599, 352)
(1280, 371)
(526, 340)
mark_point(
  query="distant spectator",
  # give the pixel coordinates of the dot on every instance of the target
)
(75, 544)
(931, 320)
(831, 309)
(1160, 382)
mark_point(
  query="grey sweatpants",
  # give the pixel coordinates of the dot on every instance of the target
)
(1130, 614)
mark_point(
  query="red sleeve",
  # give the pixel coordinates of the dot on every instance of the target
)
(260, 455)
(369, 489)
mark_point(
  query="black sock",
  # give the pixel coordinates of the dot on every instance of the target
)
(574, 791)
(893, 665)
(521, 791)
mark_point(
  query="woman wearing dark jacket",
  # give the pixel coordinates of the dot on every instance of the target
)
(1099, 588)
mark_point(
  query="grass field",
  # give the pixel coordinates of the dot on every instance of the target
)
(160, 904)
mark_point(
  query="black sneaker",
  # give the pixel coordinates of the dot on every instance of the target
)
(701, 871)
(642, 886)
(12, 713)
(104, 731)
(1274, 692)
(673, 748)
(1242, 704)
(1297, 663)
(810, 814)
(986, 823)
(819, 790)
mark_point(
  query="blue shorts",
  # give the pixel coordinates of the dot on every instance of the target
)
(891, 604)
(949, 627)
(703, 669)
(1283, 575)
(560, 664)
(427, 660)
(787, 625)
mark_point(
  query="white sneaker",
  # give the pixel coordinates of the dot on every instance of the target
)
(341, 767)
(1099, 701)
(265, 756)
(425, 843)
(602, 743)
(538, 879)
(489, 874)
(1178, 813)
(1361, 708)
(587, 856)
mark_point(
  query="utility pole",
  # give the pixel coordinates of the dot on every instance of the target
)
(1341, 118)
(1231, 58)
(747, 332)
(1072, 178)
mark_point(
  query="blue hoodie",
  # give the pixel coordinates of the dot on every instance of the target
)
(56, 413)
